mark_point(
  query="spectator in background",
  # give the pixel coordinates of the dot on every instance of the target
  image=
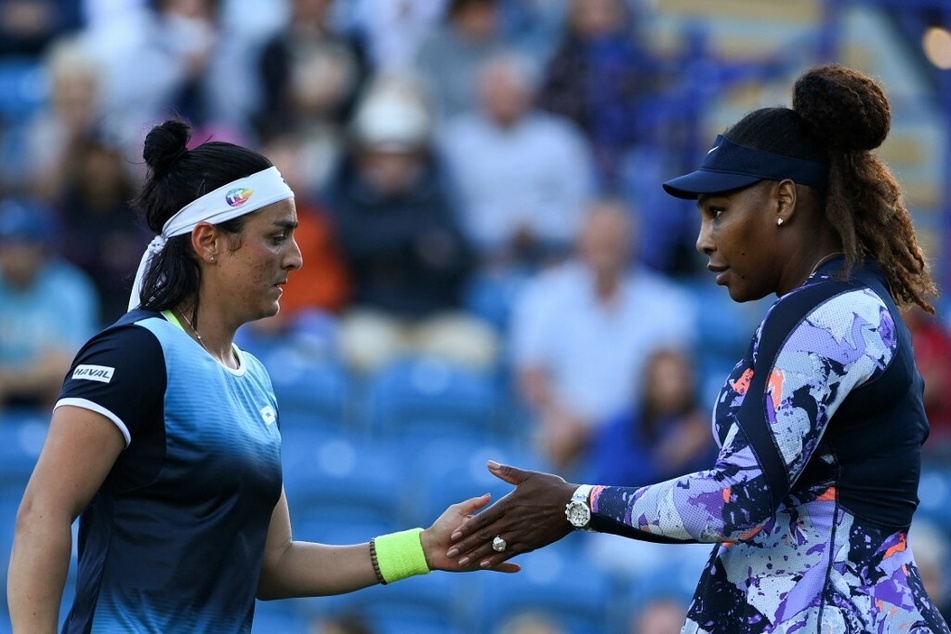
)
(165, 66)
(48, 307)
(663, 435)
(932, 344)
(310, 72)
(315, 296)
(530, 621)
(582, 334)
(101, 232)
(407, 254)
(660, 615)
(393, 29)
(28, 26)
(346, 623)
(73, 111)
(450, 56)
(184, 58)
(596, 78)
(533, 26)
(522, 176)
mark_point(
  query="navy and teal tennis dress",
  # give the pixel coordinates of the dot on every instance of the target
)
(810, 500)
(174, 539)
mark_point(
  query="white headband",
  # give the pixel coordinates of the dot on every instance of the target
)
(221, 205)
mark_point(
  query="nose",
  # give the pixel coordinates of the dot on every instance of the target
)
(705, 243)
(294, 259)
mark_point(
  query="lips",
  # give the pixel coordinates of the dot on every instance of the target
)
(720, 270)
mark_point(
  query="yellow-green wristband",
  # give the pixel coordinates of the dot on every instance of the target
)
(398, 555)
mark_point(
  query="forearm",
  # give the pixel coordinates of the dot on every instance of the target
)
(38, 568)
(309, 569)
(727, 503)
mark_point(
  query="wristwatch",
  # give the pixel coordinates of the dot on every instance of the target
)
(578, 510)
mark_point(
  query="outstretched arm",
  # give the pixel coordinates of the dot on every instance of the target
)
(773, 415)
(299, 569)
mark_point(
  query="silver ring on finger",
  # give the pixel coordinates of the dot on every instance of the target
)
(498, 544)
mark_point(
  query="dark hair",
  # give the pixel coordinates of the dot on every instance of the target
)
(176, 177)
(838, 117)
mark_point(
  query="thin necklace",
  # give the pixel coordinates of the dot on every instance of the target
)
(821, 261)
(201, 341)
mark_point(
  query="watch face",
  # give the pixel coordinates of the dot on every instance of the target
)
(578, 514)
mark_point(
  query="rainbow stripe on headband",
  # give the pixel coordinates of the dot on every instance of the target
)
(237, 198)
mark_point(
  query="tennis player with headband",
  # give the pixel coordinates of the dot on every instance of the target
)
(166, 438)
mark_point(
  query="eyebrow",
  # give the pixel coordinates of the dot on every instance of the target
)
(286, 224)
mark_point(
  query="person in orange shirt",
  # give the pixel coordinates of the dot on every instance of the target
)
(313, 299)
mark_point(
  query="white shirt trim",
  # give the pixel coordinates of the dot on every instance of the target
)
(99, 409)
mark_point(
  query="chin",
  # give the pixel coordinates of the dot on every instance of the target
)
(746, 295)
(267, 311)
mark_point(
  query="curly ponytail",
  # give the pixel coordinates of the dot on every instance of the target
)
(864, 201)
(838, 117)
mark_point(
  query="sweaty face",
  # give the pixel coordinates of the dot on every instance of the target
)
(253, 269)
(738, 235)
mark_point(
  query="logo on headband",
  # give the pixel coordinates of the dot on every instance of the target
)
(239, 196)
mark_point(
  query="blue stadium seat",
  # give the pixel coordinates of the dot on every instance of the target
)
(556, 581)
(934, 493)
(491, 295)
(447, 470)
(429, 396)
(311, 391)
(342, 478)
(278, 617)
(8, 510)
(25, 87)
(430, 604)
(316, 524)
(6, 627)
(22, 434)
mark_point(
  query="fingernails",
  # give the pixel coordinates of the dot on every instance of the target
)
(456, 536)
(484, 563)
(452, 552)
(463, 561)
(494, 464)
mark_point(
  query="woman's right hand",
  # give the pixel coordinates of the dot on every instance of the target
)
(528, 518)
(436, 539)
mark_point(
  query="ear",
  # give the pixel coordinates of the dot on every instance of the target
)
(205, 242)
(785, 197)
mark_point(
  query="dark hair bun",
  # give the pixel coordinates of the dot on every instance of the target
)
(165, 145)
(844, 107)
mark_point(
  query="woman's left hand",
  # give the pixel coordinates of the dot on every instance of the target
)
(530, 517)
(436, 538)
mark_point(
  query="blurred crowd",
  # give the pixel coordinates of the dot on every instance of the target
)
(467, 176)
